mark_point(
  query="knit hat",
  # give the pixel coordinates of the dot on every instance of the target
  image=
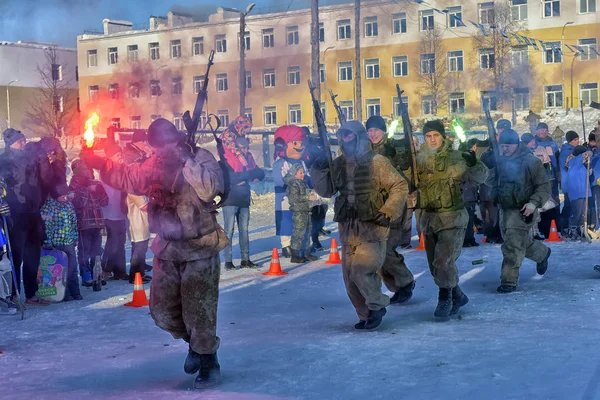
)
(503, 124)
(376, 121)
(571, 135)
(527, 137)
(78, 165)
(592, 136)
(435, 125)
(162, 132)
(577, 150)
(508, 136)
(110, 149)
(295, 168)
(11, 136)
(541, 125)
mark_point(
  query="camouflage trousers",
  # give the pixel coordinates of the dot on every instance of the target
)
(518, 244)
(394, 272)
(444, 236)
(301, 233)
(183, 300)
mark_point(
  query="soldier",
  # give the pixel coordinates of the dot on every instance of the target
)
(396, 275)
(442, 172)
(371, 195)
(181, 188)
(523, 187)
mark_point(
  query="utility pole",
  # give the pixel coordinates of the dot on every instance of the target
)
(315, 52)
(357, 69)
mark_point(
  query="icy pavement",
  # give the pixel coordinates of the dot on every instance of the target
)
(292, 337)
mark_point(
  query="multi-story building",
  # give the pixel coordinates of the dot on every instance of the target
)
(446, 55)
(38, 88)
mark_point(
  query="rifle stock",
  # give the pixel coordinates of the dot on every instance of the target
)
(320, 123)
(338, 109)
(191, 122)
(407, 126)
(492, 135)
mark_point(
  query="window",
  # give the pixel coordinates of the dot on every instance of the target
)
(491, 98)
(292, 35)
(521, 99)
(203, 120)
(399, 23)
(551, 8)
(552, 53)
(270, 115)
(221, 44)
(113, 91)
(197, 46)
(132, 53)
(587, 6)
(116, 122)
(321, 32)
(587, 45)
(155, 88)
(268, 38)
(269, 77)
(486, 13)
(519, 10)
(113, 56)
(247, 40)
(178, 121)
(400, 65)
(520, 55)
(554, 96)
(323, 106)
(59, 104)
(396, 105)
(223, 116)
(295, 114)
(135, 122)
(92, 57)
(248, 113)
(455, 17)
(427, 105)
(426, 18)
(347, 107)
(198, 83)
(293, 76)
(154, 117)
(588, 92)
(455, 61)
(175, 48)
(343, 29)
(134, 90)
(371, 28)
(57, 72)
(487, 59)
(322, 75)
(222, 85)
(345, 71)
(93, 93)
(428, 63)
(248, 79)
(456, 101)
(176, 86)
(154, 51)
(372, 68)
(373, 107)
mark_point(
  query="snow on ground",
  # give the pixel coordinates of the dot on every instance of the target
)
(292, 337)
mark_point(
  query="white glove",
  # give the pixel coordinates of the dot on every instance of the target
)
(528, 209)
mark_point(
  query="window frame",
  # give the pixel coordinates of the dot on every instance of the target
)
(154, 51)
(426, 20)
(588, 90)
(296, 110)
(345, 105)
(429, 60)
(94, 53)
(344, 26)
(222, 82)
(403, 62)
(269, 35)
(221, 43)
(376, 104)
(459, 59)
(272, 74)
(113, 55)
(457, 96)
(401, 19)
(292, 33)
(556, 55)
(132, 54)
(346, 67)
(488, 11)
(295, 72)
(272, 111)
(372, 64)
(199, 42)
(520, 9)
(554, 93)
(371, 22)
(454, 17)
(588, 55)
(490, 56)
(522, 99)
(549, 5)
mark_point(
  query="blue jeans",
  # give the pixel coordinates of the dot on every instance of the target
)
(242, 215)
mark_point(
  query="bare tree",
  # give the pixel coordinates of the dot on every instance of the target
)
(315, 52)
(431, 67)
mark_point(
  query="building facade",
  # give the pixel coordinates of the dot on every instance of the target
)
(38, 88)
(446, 55)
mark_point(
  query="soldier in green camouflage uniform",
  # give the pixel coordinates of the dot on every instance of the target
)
(394, 272)
(298, 194)
(371, 195)
(523, 188)
(442, 172)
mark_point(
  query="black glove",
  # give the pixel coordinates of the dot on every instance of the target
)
(470, 158)
(321, 163)
(4, 210)
(92, 160)
(382, 220)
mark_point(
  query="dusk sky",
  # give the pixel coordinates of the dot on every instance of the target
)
(60, 21)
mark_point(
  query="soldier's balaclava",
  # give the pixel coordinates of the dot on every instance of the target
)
(359, 145)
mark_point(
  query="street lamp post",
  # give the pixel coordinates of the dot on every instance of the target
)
(325, 64)
(8, 102)
(562, 58)
(572, 67)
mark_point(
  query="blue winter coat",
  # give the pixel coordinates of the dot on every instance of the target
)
(565, 151)
(595, 168)
(574, 180)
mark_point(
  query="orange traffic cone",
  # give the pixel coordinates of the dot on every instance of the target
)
(139, 294)
(553, 233)
(334, 255)
(275, 268)
(421, 243)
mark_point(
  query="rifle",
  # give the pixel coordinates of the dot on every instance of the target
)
(492, 135)
(338, 109)
(191, 123)
(414, 176)
(320, 123)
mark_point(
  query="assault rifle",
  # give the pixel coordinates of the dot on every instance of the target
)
(191, 123)
(492, 135)
(338, 109)
(414, 176)
(320, 123)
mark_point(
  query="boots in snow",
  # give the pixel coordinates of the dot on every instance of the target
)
(444, 306)
(360, 324)
(506, 288)
(404, 294)
(249, 264)
(296, 257)
(192, 362)
(229, 266)
(316, 244)
(210, 372)
(286, 252)
(375, 318)
(459, 299)
(542, 267)
(309, 257)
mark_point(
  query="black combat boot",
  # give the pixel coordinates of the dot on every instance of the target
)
(192, 362)
(444, 305)
(360, 324)
(296, 257)
(316, 244)
(459, 299)
(375, 318)
(229, 266)
(404, 294)
(542, 267)
(210, 372)
(309, 257)
(503, 288)
(286, 252)
(249, 264)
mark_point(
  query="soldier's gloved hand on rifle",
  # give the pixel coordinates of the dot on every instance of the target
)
(381, 220)
(470, 158)
(321, 163)
(92, 160)
(4, 210)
